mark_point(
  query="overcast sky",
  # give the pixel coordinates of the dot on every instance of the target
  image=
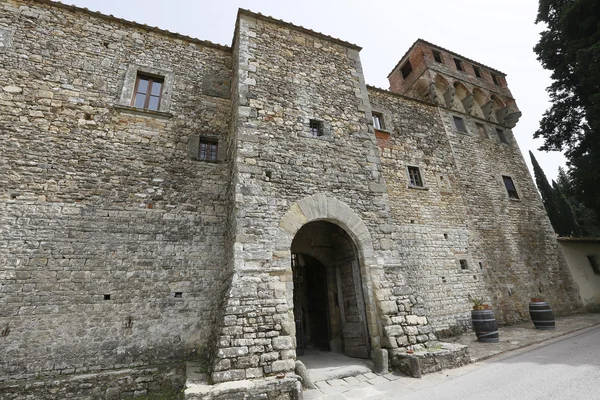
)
(500, 34)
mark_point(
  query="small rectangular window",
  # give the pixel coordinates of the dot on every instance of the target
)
(406, 69)
(495, 79)
(378, 121)
(477, 71)
(316, 127)
(481, 130)
(148, 92)
(414, 177)
(208, 150)
(463, 264)
(594, 264)
(437, 56)
(510, 187)
(458, 64)
(502, 136)
(459, 123)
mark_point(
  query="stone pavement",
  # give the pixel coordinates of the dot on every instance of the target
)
(370, 386)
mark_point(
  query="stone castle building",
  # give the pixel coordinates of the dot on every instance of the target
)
(164, 198)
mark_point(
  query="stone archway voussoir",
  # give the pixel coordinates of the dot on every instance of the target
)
(338, 211)
(283, 240)
(293, 220)
(314, 207)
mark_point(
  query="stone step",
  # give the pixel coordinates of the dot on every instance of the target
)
(339, 373)
(197, 386)
(326, 366)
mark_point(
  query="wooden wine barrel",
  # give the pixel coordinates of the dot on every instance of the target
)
(541, 315)
(485, 326)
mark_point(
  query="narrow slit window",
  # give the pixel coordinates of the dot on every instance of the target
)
(481, 130)
(477, 71)
(463, 264)
(458, 64)
(502, 136)
(378, 121)
(437, 56)
(148, 92)
(208, 150)
(510, 187)
(594, 264)
(406, 69)
(459, 123)
(414, 177)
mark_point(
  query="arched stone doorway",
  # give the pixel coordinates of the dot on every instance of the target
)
(329, 305)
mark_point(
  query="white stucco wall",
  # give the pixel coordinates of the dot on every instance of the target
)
(589, 283)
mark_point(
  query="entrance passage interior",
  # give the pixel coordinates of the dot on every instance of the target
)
(329, 309)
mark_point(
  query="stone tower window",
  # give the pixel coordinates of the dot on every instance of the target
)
(406, 69)
(437, 56)
(414, 177)
(208, 147)
(148, 92)
(146, 89)
(463, 264)
(477, 71)
(378, 121)
(459, 123)
(316, 128)
(458, 64)
(501, 135)
(510, 187)
(208, 150)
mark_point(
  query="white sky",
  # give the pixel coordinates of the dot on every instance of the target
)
(500, 34)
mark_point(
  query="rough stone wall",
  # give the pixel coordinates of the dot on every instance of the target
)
(513, 238)
(97, 199)
(465, 213)
(430, 224)
(166, 380)
(286, 78)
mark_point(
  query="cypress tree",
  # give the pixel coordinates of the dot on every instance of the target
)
(546, 191)
(566, 222)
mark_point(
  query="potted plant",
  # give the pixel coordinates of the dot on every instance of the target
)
(541, 314)
(479, 304)
(484, 322)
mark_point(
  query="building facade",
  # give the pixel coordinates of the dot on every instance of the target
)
(164, 198)
(583, 259)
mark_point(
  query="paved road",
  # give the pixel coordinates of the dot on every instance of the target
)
(568, 369)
